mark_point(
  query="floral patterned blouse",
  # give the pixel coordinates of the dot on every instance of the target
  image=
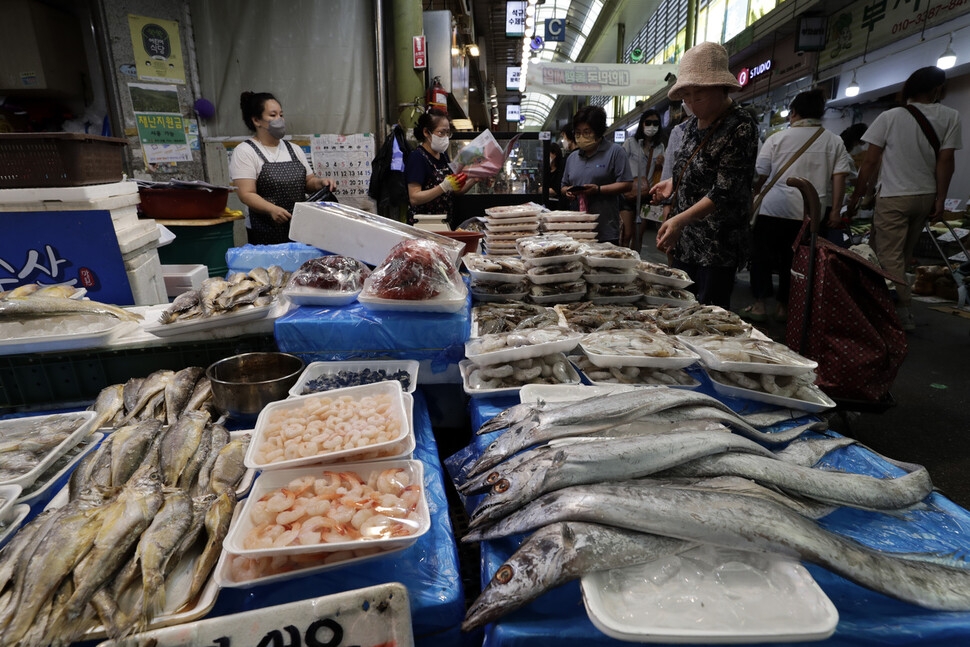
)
(723, 170)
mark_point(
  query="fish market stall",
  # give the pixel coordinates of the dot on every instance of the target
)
(789, 602)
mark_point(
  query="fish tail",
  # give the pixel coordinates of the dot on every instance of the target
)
(154, 598)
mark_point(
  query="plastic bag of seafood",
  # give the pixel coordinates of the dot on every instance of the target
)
(791, 391)
(547, 248)
(676, 378)
(416, 275)
(498, 291)
(327, 280)
(609, 255)
(494, 268)
(636, 348)
(748, 355)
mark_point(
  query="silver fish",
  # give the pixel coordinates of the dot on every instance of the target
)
(179, 390)
(152, 386)
(179, 444)
(603, 460)
(745, 523)
(559, 553)
(128, 448)
(837, 488)
(218, 439)
(217, 520)
(132, 387)
(40, 306)
(809, 451)
(190, 473)
(200, 394)
(108, 403)
(229, 467)
(211, 289)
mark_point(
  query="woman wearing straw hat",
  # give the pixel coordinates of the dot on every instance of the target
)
(710, 190)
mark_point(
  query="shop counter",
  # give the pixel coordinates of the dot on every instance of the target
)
(937, 527)
(329, 333)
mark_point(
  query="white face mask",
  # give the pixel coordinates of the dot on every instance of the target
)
(650, 131)
(687, 110)
(439, 144)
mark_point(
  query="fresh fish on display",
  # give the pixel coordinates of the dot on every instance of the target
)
(218, 296)
(156, 547)
(36, 306)
(201, 394)
(218, 438)
(809, 451)
(179, 390)
(109, 403)
(228, 467)
(742, 522)
(217, 519)
(153, 385)
(128, 447)
(179, 444)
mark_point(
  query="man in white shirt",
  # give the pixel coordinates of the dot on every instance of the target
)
(913, 179)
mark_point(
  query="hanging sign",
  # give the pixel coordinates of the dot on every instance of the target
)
(556, 30)
(161, 128)
(515, 18)
(748, 74)
(420, 53)
(157, 48)
(603, 79)
(512, 113)
(512, 75)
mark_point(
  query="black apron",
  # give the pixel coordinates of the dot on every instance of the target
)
(441, 204)
(283, 184)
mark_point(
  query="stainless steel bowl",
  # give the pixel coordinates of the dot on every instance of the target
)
(243, 384)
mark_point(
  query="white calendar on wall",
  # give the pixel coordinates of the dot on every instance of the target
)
(347, 160)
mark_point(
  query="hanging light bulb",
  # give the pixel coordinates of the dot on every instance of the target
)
(473, 50)
(852, 89)
(948, 58)
(783, 113)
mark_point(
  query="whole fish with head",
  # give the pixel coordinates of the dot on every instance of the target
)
(261, 275)
(201, 394)
(20, 545)
(33, 307)
(179, 390)
(129, 446)
(218, 438)
(211, 288)
(743, 522)
(237, 294)
(156, 546)
(608, 459)
(559, 553)
(185, 306)
(109, 402)
(229, 467)
(154, 384)
(179, 444)
(217, 519)
(122, 522)
(132, 387)
(236, 277)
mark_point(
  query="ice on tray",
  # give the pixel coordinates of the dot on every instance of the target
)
(57, 325)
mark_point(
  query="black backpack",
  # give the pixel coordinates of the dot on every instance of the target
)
(388, 187)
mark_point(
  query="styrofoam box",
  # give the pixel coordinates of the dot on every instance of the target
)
(316, 369)
(432, 226)
(340, 229)
(72, 194)
(145, 278)
(142, 234)
(182, 278)
(273, 480)
(379, 388)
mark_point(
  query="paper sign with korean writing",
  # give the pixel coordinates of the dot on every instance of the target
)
(611, 79)
(870, 24)
(163, 138)
(78, 248)
(346, 159)
(157, 49)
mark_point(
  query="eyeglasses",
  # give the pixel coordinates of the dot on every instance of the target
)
(651, 123)
(585, 133)
(442, 132)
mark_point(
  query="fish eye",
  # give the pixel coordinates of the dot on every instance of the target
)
(492, 446)
(504, 574)
(491, 478)
(501, 486)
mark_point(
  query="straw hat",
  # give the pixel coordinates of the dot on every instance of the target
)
(704, 64)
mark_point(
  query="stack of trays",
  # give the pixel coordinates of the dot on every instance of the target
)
(611, 273)
(663, 285)
(496, 278)
(554, 268)
(638, 357)
(575, 224)
(432, 222)
(505, 225)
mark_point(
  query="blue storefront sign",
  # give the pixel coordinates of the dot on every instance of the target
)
(78, 248)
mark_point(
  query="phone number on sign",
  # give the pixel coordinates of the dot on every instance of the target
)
(929, 14)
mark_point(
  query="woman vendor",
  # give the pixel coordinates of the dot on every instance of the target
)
(271, 174)
(431, 184)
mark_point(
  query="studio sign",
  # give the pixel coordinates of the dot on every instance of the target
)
(747, 75)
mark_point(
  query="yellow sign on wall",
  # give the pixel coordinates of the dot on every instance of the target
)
(158, 50)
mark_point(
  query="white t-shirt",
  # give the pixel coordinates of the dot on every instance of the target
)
(638, 159)
(908, 160)
(246, 163)
(823, 159)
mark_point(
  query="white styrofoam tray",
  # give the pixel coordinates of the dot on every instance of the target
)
(85, 428)
(390, 388)
(466, 366)
(208, 323)
(314, 297)
(535, 393)
(182, 278)
(497, 277)
(9, 526)
(615, 300)
(569, 297)
(682, 359)
(376, 615)
(535, 261)
(8, 497)
(568, 216)
(569, 226)
(606, 277)
(657, 279)
(433, 217)
(791, 605)
(69, 341)
(506, 355)
(318, 369)
(485, 297)
(437, 304)
(692, 385)
(515, 211)
(821, 403)
(517, 220)
(273, 480)
(713, 360)
(561, 277)
(618, 263)
(41, 487)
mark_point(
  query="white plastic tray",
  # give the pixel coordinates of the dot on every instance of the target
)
(574, 225)
(682, 359)
(506, 355)
(269, 481)
(42, 486)
(511, 224)
(497, 277)
(657, 279)
(474, 327)
(579, 235)
(620, 263)
(692, 385)
(714, 361)
(568, 216)
(483, 297)
(511, 220)
(601, 277)
(569, 297)
(793, 607)
(386, 388)
(376, 615)
(400, 305)
(550, 260)
(615, 300)
(87, 426)
(562, 277)
(435, 217)
(822, 402)
(663, 301)
(223, 569)
(208, 323)
(534, 393)
(317, 369)
(9, 526)
(465, 367)
(47, 343)
(510, 236)
(312, 297)
(8, 497)
(515, 211)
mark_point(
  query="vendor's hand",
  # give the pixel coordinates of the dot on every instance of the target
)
(453, 183)
(939, 211)
(279, 214)
(661, 191)
(834, 220)
(669, 234)
(329, 184)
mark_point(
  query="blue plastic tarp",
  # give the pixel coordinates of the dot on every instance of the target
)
(354, 332)
(289, 256)
(937, 527)
(428, 568)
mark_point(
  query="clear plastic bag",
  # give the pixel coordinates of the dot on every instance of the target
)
(481, 157)
(331, 273)
(415, 270)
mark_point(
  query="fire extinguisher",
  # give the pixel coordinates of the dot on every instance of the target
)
(437, 96)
